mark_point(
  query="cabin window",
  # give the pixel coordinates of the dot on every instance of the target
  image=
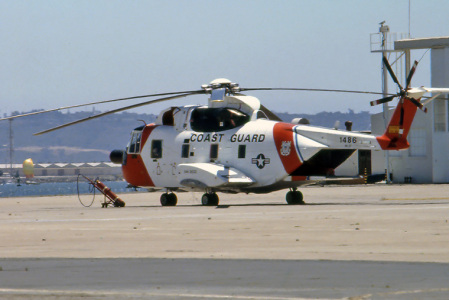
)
(205, 119)
(214, 151)
(242, 151)
(185, 151)
(156, 148)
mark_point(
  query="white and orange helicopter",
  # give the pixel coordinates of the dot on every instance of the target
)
(236, 145)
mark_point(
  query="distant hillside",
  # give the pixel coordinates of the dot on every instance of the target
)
(89, 141)
(93, 140)
(361, 121)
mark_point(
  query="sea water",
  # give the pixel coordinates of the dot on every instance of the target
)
(60, 188)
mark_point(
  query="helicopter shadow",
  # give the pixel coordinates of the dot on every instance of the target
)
(372, 203)
(221, 206)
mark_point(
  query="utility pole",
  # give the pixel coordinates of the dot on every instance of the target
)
(384, 30)
(382, 42)
(11, 147)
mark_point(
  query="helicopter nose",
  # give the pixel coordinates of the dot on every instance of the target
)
(116, 156)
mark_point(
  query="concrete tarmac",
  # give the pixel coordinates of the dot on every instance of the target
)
(359, 242)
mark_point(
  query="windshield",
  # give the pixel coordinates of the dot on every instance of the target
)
(134, 145)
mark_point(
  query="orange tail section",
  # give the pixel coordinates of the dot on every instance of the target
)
(395, 136)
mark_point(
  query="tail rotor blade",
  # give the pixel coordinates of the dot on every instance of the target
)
(383, 100)
(418, 104)
(390, 70)
(410, 74)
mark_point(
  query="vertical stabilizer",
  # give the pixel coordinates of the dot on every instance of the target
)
(395, 136)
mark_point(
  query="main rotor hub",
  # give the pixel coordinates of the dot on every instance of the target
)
(224, 84)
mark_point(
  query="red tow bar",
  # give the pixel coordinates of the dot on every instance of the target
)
(108, 194)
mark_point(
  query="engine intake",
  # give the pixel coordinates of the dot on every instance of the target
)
(116, 156)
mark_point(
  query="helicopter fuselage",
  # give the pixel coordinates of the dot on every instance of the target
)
(259, 155)
(234, 144)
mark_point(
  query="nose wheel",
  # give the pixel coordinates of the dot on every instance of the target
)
(294, 197)
(210, 199)
(169, 199)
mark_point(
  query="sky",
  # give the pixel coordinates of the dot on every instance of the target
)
(61, 52)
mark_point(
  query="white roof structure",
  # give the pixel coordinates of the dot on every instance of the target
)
(422, 43)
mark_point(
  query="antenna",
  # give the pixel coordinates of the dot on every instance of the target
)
(409, 6)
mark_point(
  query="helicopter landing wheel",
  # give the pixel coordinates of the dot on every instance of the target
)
(210, 199)
(169, 199)
(294, 198)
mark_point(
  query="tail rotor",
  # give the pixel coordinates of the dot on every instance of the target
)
(403, 92)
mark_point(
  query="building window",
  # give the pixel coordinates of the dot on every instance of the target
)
(418, 144)
(439, 110)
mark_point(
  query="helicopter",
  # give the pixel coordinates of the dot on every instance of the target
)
(234, 144)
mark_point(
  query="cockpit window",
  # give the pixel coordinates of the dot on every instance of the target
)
(134, 145)
(205, 119)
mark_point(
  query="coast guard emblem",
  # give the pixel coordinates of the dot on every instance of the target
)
(285, 148)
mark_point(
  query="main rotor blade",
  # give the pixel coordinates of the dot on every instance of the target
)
(390, 70)
(383, 100)
(410, 75)
(310, 90)
(100, 102)
(430, 99)
(118, 110)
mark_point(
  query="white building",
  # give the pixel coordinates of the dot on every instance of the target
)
(64, 171)
(427, 159)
